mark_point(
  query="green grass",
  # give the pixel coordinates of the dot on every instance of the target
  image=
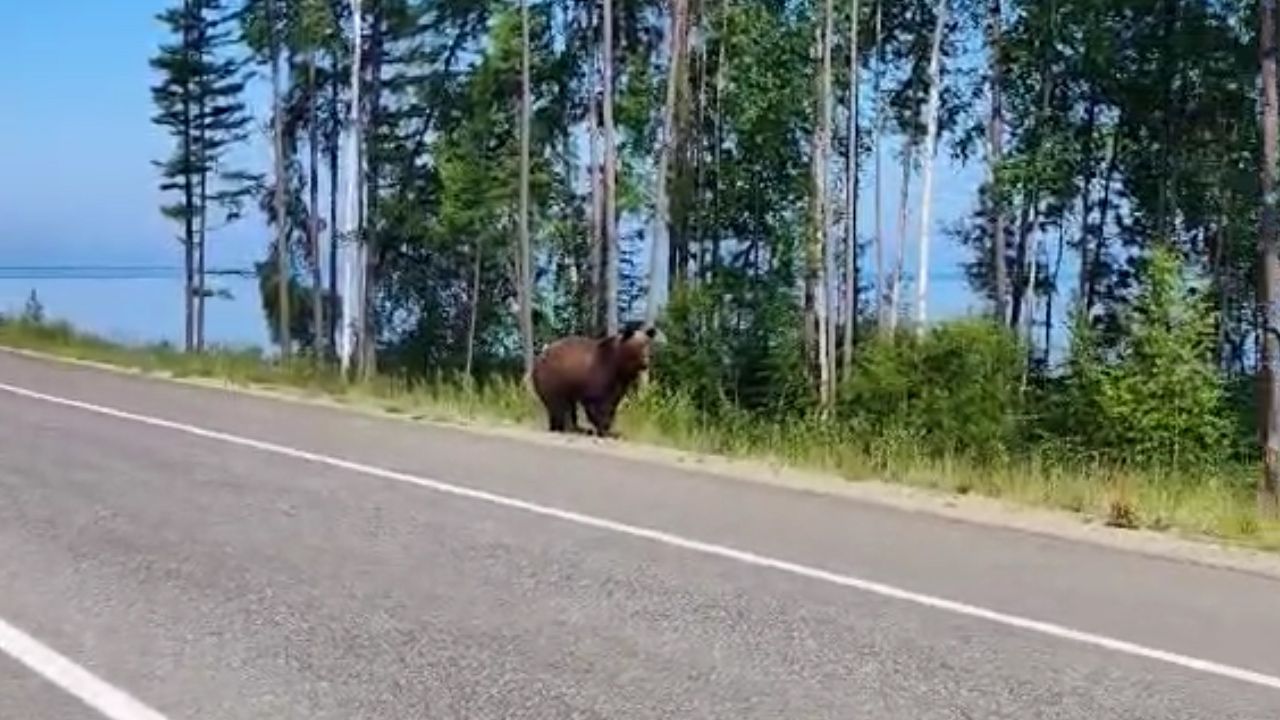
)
(1219, 505)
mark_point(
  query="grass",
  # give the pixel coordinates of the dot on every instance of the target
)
(1219, 506)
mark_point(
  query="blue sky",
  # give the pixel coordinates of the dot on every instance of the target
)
(77, 185)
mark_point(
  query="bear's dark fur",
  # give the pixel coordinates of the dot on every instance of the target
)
(593, 372)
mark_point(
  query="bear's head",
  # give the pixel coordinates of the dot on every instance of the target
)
(629, 350)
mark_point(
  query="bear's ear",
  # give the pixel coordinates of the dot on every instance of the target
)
(630, 329)
(651, 331)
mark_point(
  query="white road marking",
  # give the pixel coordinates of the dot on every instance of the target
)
(742, 556)
(106, 699)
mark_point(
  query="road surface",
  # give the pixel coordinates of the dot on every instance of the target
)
(169, 551)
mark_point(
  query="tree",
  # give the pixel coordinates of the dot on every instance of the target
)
(526, 256)
(609, 233)
(995, 139)
(878, 133)
(1154, 398)
(200, 102)
(850, 320)
(816, 295)
(175, 99)
(666, 146)
(314, 30)
(930, 140)
(355, 188)
(283, 270)
(267, 27)
(1269, 263)
(332, 139)
(222, 121)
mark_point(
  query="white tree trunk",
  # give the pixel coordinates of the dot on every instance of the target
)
(313, 212)
(895, 277)
(878, 135)
(817, 294)
(826, 317)
(660, 241)
(353, 263)
(610, 179)
(930, 141)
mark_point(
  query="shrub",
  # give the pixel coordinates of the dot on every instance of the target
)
(1156, 398)
(749, 360)
(956, 390)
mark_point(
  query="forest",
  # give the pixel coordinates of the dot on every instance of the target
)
(498, 173)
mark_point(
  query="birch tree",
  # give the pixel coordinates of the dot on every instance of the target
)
(609, 231)
(667, 142)
(816, 291)
(930, 141)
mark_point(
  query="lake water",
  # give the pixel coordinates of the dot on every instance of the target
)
(141, 310)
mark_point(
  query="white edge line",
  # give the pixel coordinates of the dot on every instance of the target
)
(742, 556)
(99, 695)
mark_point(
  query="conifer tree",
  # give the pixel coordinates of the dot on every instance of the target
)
(200, 102)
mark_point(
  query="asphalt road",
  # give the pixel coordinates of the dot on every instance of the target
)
(209, 577)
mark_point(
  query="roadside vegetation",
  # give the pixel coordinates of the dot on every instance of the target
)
(1146, 439)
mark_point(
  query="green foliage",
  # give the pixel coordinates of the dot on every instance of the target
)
(199, 102)
(955, 391)
(748, 361)
(302, 330)
(1156, 398)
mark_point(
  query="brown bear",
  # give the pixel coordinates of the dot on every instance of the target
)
(593, 372)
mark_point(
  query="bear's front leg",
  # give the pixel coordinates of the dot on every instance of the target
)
(600, 414)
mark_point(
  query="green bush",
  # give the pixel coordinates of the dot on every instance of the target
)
(954, 391)
(1155, 398)
(748, 361)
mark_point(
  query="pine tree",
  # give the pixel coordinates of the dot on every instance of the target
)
(175, 99)
(201, 102)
